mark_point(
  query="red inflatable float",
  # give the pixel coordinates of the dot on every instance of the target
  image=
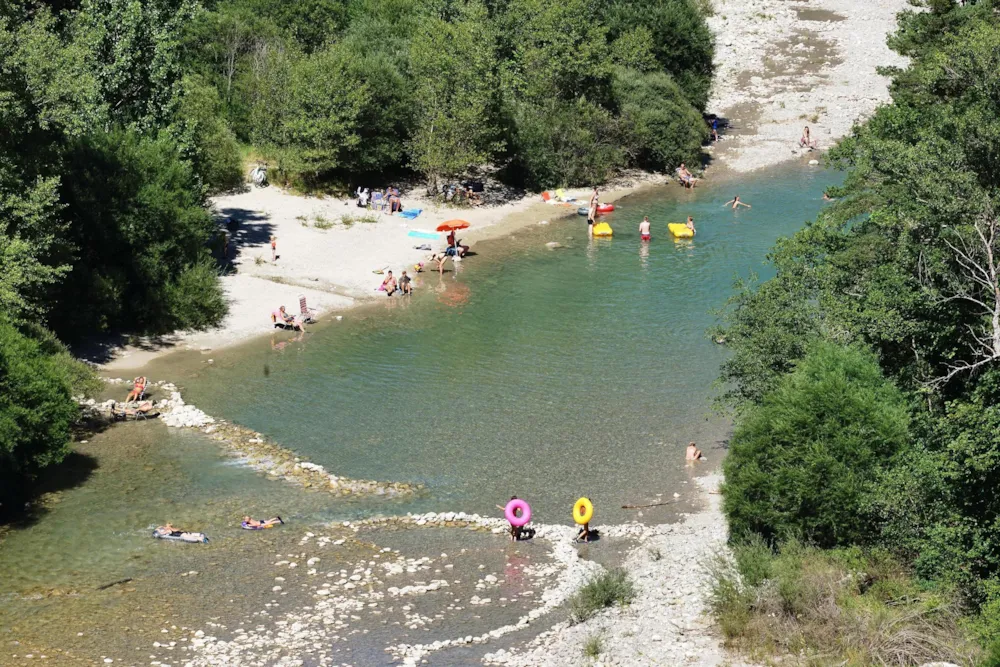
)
(605, 208)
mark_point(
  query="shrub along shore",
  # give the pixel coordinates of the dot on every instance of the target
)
(865, 376)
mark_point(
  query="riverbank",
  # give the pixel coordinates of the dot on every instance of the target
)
(782, 66)
(329, 254)
(667, 623)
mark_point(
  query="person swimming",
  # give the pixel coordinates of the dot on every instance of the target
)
(736, 203)
(644, 229)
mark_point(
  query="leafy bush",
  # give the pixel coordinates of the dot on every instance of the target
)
(606, 589)
(36, 408)
(802, 464)
(139, 231)
(842, 606)
(659, 126)
(566, 143)
(593, 646)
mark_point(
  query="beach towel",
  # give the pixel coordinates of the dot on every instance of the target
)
(410, 214)
(561, 194)
(420, 234)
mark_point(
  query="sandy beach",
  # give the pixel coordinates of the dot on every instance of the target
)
(334, 264)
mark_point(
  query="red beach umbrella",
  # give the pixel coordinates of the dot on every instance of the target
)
(452, 225)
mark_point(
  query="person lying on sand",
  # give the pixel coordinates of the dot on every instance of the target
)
(736, 203)
(693, 453)
(254, 523)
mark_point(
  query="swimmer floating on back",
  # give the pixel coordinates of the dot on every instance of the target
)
(254, 523)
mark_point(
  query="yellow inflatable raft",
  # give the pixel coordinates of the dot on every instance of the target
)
(602, 229)
(680, 230)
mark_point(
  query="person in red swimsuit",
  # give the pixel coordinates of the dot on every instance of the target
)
(644, 229)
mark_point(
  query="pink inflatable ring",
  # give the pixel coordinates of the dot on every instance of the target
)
(511, 512)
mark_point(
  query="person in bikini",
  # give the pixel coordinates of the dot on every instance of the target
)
(644, 229)
(138, 389)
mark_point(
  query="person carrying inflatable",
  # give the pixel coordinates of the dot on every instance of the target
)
(583, 512)
(518, 514)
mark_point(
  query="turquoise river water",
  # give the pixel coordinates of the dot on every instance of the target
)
(545, 373)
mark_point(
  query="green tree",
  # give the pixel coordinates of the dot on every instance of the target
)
(139, 231)
(659, 127)
(803, 463)
(319, 121)
(455, 94)
(36, 410)
(204, 137)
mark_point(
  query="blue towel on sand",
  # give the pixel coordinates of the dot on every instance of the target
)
(411, 213)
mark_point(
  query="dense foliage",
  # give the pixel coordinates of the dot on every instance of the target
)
(37, 377)
(829, 424)
(366, 86)
(905, 263)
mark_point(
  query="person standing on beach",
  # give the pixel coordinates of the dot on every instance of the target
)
(274, 248)
(644, 229)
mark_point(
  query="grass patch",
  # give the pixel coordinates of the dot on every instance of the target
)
(606, 589)
(593, 646)
(259, 261)
(838, 607)
(655, 554)
(320, 222)
(349, 219)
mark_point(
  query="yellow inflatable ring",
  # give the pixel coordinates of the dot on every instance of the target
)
(583, 511)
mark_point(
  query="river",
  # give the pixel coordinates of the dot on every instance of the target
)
(548, 373)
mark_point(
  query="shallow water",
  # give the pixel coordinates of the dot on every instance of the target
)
(548, 374)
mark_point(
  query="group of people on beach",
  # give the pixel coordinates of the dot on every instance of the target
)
(380, 201)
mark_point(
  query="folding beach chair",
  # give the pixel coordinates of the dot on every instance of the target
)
(306, 312)
(377, 201)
